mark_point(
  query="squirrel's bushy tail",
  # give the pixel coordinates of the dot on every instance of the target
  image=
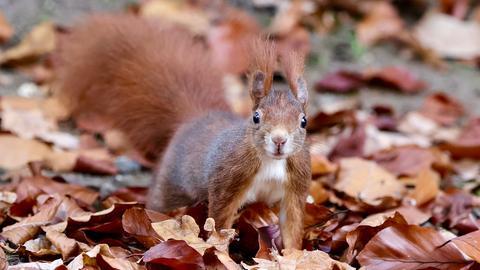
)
(145, 78)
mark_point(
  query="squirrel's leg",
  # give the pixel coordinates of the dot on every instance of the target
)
(165, 196)
(291, 219)
(223, 208)
(226, 198)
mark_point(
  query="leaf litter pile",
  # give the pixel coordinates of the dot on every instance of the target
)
(389, 190)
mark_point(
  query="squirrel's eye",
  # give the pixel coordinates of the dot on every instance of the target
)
(256, 118)
(303, 123)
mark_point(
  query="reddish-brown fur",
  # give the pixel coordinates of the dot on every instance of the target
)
(128, 70)
(157, 85)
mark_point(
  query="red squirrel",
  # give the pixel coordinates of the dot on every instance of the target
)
(157, 85)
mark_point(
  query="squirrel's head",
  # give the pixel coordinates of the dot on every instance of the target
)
(278, 117)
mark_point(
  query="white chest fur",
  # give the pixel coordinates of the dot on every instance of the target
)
(268, 184)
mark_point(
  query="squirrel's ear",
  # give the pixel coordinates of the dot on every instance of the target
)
(302, 92)
(257, 90)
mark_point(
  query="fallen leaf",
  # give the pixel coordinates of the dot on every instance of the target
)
(407, 160)
(297, 259)
(96, 255)
(26, 229)
(454, 209)
(17, 152)
(177, 12)
(188, 231)
(174, 254)
(467, 144)
(426, 186)
(67, 246)
(40, 247)
(410, 247)
(443, 109)
(395, 77)
(382, 22)
(341, 81)
(350, 144)
(469, 244)
(228, 40)
(449, 36)
(137, 222)
(38, 42)
(38, 265)
(367, 182)
(318, 192)
(366, 230)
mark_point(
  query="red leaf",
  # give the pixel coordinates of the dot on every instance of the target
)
(175, 254)
(137, 222)
(395, 77)
(404, 247)
(442, 108)
(342, 81)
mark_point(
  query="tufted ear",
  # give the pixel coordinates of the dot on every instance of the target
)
(257, 88)
(302, 91)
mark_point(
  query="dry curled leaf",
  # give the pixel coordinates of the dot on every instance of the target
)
(366, 181)
(174, 254)
(442, 108)
(410, 247)
(38, 42)
(382, 22)
(449, 36)
(301, 260)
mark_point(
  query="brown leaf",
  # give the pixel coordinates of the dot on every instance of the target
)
(298, 259)
(85, 164)
(395, 77)
(382, 22)
(367, 181)
(323, 120)
(442, 108)
(38, 42)
(67, 246)
(410, 247)
(26, 229)
(49, 186)
(101, 255)
(409, 160)
(228, 38)
(318, 192)
(137, 222)
(454, 208)
(448, 36)
(174, 254)
(361, 235)
(341, 81)
(467, 145)
(6, 32)
(181, 13)
(297, 40)
(469, 244)
(17, 152)
(426, 186)
(350, 144)
(188, 231)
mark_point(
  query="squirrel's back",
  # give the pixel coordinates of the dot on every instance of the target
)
(143, 77)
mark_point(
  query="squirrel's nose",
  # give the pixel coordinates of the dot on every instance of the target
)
(279, 140)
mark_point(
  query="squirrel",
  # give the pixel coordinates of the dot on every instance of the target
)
(156, 83)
